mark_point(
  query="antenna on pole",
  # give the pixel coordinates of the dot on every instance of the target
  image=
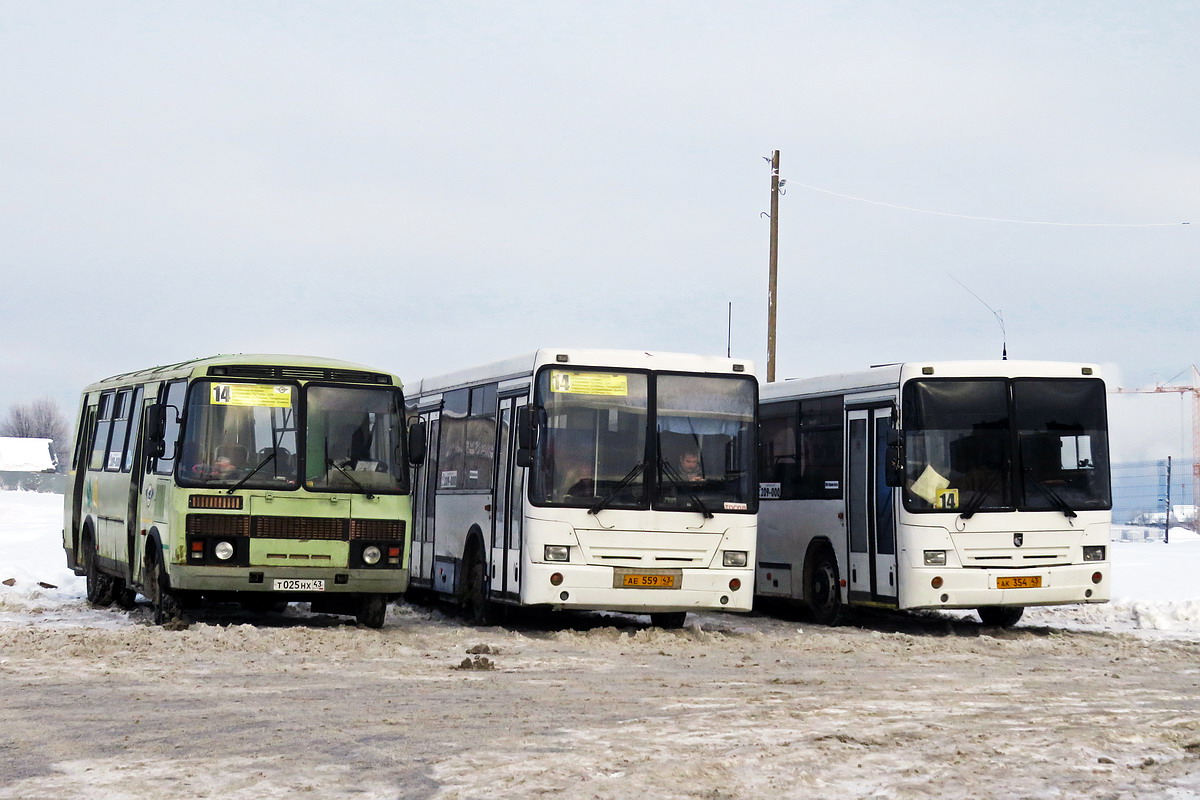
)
(997, 314)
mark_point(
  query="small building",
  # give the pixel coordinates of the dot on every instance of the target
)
(28, 463)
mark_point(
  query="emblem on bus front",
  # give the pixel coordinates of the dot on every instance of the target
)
(1018, 539)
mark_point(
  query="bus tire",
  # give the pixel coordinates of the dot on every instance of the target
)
(823, 591)
(1000, 616)
(99, 585)
(123, 596)
(477, 608)
(372, 611)
(165, 605)
(668, 620)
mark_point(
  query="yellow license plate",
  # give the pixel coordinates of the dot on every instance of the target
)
(1020, 582)
(650, 581)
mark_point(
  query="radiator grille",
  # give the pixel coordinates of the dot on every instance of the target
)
(304, 528)
(376, 529)
(301, 528)
(225, 525)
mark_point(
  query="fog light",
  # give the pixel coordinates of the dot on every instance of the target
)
(936, 583)
(557, 552)
(371, 554)
(556, 579)
(1093, 553)
(1097, 577)
(734, 558)
(935, 558)
(223, 551)
(735, 584)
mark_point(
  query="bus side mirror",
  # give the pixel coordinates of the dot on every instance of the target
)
(156, 430)
(526, 435)
(894, 469)
(417, 443)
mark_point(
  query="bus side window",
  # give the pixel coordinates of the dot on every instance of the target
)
(172, 397)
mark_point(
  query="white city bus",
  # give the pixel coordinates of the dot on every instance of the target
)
(589, 479)
(936, 485)
(256, 478)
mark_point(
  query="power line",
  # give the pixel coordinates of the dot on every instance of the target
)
(992, 219)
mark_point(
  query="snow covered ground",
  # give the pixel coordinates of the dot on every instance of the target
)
(1075, 702)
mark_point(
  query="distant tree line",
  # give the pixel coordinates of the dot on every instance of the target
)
(41, 419)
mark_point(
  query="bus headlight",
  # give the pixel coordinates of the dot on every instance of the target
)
(223, 551)
(557, 552)
(935, 558)
(371, 554)
(734, 558)
(1093, 552)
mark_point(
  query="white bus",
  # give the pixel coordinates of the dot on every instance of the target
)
(589, 479)
(936, 485)
(261, 479)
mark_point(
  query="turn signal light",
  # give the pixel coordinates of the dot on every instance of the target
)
(1097, 577)
(936, 583)
(556, 579)
(735, 584)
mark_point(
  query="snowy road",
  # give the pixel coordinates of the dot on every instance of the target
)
(735, 708)
(1076, 702)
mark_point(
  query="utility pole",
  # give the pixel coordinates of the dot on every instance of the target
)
(1167, 521)
(771, 289)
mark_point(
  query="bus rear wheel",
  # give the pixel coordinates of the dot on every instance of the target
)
(99, 586)
(476, 605)
(373, 611)
(1000, 616)
(824, 591)
(668, 620)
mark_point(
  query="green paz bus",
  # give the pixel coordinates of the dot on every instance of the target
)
(256, 478)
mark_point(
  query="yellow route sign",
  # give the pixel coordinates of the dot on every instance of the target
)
(251, 394)
(602, 383)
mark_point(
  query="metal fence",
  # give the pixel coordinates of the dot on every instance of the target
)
(1140, 493)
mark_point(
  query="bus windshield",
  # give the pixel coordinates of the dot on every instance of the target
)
(603, 444)
(991, 444)
(239, 432)
(353, 440)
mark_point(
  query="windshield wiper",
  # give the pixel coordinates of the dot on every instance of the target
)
(977, 500)
(628, 479)
(331, 463)
(680, 483)
(250, 474)
(1055, 498)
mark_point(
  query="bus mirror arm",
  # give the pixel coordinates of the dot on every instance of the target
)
(417, 443)
(894, 470)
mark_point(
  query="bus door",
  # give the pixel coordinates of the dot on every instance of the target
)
(424, 502)
(83, 450)
(135, 464)
(507, 506)
(870, 509)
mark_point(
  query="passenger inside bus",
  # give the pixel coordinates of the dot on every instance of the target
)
(690, 468)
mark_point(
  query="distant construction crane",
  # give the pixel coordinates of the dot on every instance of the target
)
(1194, 391)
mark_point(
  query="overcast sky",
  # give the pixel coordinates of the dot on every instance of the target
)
(427, 186)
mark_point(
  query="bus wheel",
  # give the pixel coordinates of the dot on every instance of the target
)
(824, 592)
(1000, 616)
(99, 585)
(123, 596)
(668, 620)
(475, 603)
(158, 591)
(373, 611)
